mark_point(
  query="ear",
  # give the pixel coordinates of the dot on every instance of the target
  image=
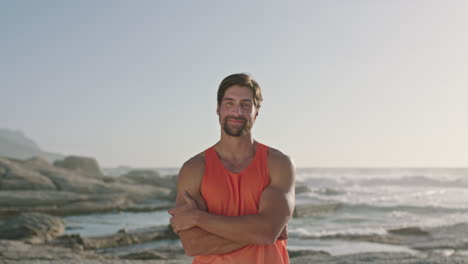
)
(217, 109)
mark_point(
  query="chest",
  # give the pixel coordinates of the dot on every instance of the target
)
(233, 194)
(236, 166)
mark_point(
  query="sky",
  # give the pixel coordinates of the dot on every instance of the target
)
(345, 83)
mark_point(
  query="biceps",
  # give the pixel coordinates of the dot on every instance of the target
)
(277, 204)
(194, 192)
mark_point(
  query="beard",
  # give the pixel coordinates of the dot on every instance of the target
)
(236, 131)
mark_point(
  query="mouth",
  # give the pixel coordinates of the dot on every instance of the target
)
(236, 121)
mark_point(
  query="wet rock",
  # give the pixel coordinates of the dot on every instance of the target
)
(376, 238)
(129, 237)
(379, 257)
(144, 255)
(32, 227)
(73, 241)
(301, 188)
(300, 253)
(329, 191)
(15, 252)
(413, 231)
(314, 210)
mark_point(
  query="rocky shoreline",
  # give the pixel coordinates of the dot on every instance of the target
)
(35, 194)
(23, 253)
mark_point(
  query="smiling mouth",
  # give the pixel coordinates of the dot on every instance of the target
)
(236, 121)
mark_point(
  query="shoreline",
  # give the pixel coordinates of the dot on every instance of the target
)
(22, 253)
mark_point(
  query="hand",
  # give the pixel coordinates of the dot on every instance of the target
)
(284, 233)
(183, 217)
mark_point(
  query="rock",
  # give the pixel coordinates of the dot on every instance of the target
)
(329, 191)
(83, 165)
(42, 187)
(72, 181)
(15, 252)
(380, 257)
(413, 231)
(302, 188)
(299, 253)
(149, 177)
(314, 210)
(37, 161)
(32, 227)
(13, 176)
(376, 238)
(144, 255)
(441, 238)
(73, 241)
(70, 203)
(59, 202)
(129, 237)
(123, 231)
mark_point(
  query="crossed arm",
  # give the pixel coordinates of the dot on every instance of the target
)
(202, 233)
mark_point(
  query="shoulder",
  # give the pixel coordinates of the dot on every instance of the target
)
(278, 159)
(193, 168)
(195, 162)
(191, 174)
(281, 169)
(190, 178)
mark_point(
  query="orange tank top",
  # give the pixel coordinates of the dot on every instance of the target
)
(237, 194)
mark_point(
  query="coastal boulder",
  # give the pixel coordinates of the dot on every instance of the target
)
(13, 176)
(149, 177)
(32, 227)
(83, 165)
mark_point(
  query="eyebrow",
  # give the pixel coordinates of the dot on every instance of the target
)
(232, 99)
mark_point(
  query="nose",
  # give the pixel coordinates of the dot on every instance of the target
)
(236, 109)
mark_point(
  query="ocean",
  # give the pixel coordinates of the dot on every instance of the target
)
(345, 202)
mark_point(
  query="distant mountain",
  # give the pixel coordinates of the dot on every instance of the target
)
(14, 144)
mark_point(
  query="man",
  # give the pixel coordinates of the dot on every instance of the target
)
(234, 200)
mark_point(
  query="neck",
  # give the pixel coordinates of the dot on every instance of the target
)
(236, 147)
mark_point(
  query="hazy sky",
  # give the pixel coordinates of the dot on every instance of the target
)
(345, 83)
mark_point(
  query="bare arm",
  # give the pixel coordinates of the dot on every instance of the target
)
(275, 209)
(197, 241)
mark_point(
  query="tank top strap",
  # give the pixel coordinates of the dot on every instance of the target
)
(261, 164)
(263, 149)
(260, 160)
(211, 158)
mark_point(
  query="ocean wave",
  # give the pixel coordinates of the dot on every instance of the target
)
(405, 181)
(303, 233)
(315, 210)
(365, 208)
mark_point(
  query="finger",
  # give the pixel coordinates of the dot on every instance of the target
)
(188, 194)
(189, 199)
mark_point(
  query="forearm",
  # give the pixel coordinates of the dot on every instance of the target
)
(197, 241)
(258, 229)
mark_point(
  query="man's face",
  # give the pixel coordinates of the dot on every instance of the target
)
(237, 111)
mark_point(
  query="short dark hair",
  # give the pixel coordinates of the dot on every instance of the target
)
(244, 80)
